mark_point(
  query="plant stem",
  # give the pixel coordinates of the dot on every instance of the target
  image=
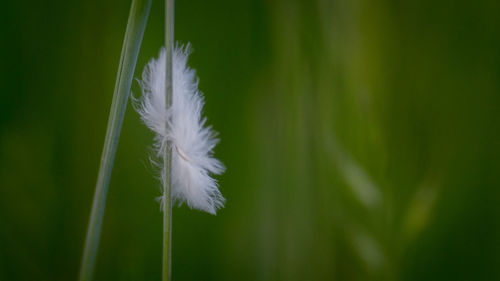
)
(167, 198)
(139, 12)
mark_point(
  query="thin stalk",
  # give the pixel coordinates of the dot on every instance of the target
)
(167, 198)
(139, 12)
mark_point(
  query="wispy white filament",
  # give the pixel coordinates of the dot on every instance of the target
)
(192, 141)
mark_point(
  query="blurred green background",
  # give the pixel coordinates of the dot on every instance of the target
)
(362, 141)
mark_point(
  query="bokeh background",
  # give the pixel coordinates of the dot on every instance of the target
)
(362, 141)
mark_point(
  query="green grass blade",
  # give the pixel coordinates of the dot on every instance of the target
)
(167, 198)
(136, 25)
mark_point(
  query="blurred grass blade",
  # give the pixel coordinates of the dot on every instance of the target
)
(136, 24)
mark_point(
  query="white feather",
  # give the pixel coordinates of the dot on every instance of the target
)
(192, 141)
